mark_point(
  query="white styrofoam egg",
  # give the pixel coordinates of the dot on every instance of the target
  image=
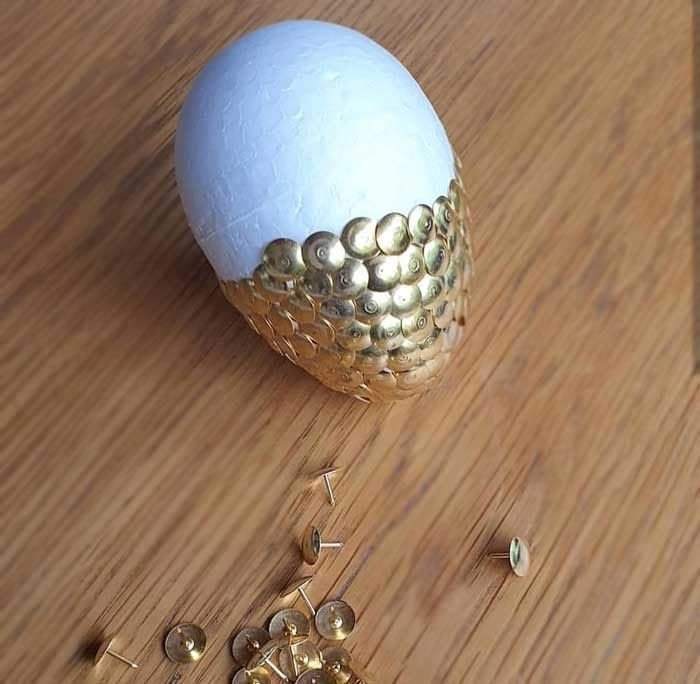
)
(299, 127)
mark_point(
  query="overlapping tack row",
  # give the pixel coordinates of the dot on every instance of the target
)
(374, 313)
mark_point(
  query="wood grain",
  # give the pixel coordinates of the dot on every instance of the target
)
(155, 454)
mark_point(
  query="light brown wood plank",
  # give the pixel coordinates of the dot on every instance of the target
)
(155, 455)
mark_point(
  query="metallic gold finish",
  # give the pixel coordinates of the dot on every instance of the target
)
(325, 475)
(247, 642)
(340, 307)
(317, 284)
(262, 658)
(259, 675)
(421, 224)
(359, 238)
(412, 264)
(406, 299)
(295, 660)
(301, 307)
(321, 332)
(355, 337)
(185, 643)
(299, 586)
(271, 288)
(283, 259)
(340, 313)
(105, 649)
(518, 556)
(387, 333)
(371, 360)
(312, 545)
(384, 272)
(444, 217)
(372, 306)
(315, 677)
(323, 251)
(337, 662)
(335, 620)
(431, 289)
(443, 314)
(392, 234)
(289, 622)
(417, 327)
(351, 279)
(436, 255)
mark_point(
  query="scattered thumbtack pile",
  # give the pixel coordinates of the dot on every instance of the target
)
(286, 649)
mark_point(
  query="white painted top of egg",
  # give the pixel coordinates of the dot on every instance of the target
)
(299, 127)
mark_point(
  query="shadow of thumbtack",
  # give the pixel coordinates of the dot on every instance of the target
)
(88, 647)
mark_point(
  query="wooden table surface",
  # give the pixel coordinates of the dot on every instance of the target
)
(155, 455)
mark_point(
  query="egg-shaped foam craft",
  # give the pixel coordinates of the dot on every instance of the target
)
(321, 185)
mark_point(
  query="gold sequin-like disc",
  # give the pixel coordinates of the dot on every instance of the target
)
(316, 677)
(375, 313)
(335, 620)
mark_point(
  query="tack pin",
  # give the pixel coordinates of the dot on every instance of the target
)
(337, 662)
(105, 649)
(263, 658)
(312, 544)
(325, 474)
(300, 586)
(518, 555)
(295, 660)
(247, 642)
(289, 623)
(185, 643)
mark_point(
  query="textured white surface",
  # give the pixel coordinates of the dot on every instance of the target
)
(299, 127)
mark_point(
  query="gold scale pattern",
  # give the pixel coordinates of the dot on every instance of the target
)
(375, 313)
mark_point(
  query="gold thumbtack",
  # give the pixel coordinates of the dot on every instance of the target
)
(288, 623)
(337, 661)
(335, 620)
(300, 586)
(105, 649)
(295, 660)
(518, 555)
(185, 643)
(311, 545)
(316, 677)
(263, 656)
(258, 676)
(286, 626)
(247, 642)
(326, 475)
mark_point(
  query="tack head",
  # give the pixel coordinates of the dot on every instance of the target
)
(335, 620)
(258, 676)
(328, 471)
(289, 623)
(103, 649)
(247, 642)
(316, 677)
(185, 643)
(337, 662)
(261, 658)
(311, 545)
(295, 586)
(519, 556)
(296, 660)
